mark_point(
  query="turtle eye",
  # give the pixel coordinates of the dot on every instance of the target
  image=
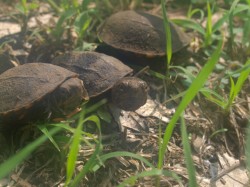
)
(122, 87)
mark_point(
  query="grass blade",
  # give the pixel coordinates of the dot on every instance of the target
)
(219, 24)
(208, 36)
(92, 160)
(248, 147)
(190, 94)
(188, 23)
(72, 157)
(236, 88)
(107, 156)
(168, 36)
(214, 97)
(168, 33)
(53, 5)
(188, 155)
(59, 29)
(242, 78)
(46, 133)
(192, 12)
(154, 172)
(12, 162)
(87, 167)
(231, 24)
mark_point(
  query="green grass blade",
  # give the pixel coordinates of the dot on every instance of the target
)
(231, 24)
(87, 167)
(235, 89)
(231, 94)
(238, 71)
(85, 4)
(190, 94)
(217, 132)
(214, 97)
(233, 11)
(64, 126)
(12, 162)
(219, 24)
(188, 23)
(154, 172)
(208, 36)
(107, 156)
(75, 3)
(188, 155)
(93, 159)
(187, 72)
(53, 5)
(72, 157)
(46, 133)
(59, 29)
(168, 33)
(248, 147)
(192, 12)
(242, 78)
(94, 107)
(233, 8)
(240, 8)
(72, 130)
(246, 30)
(82, 23)
(74, 148)
(157, 75)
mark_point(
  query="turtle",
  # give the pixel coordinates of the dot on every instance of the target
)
(38, 91)
(138, 37)
(101, 73)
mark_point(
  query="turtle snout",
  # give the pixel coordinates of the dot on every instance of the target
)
(130, 93)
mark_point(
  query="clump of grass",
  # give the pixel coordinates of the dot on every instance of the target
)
(190, 94)
(227, 103)
(25, 9)
(209, 33)
(72, 16)
(18, 158)
(74, 149)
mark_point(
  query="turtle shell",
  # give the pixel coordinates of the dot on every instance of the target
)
(27, 91)
(140, 33)
(98, 71)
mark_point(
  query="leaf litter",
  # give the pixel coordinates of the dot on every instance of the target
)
(218, 157)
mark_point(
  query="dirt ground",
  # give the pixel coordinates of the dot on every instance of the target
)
(218, 154)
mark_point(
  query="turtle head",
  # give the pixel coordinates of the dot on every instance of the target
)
(129, 93)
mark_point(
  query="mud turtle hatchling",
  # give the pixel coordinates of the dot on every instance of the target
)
(138, 37)
(35, 91)
(101, 73)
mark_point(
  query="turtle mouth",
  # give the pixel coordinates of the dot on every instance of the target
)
(131, 104)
